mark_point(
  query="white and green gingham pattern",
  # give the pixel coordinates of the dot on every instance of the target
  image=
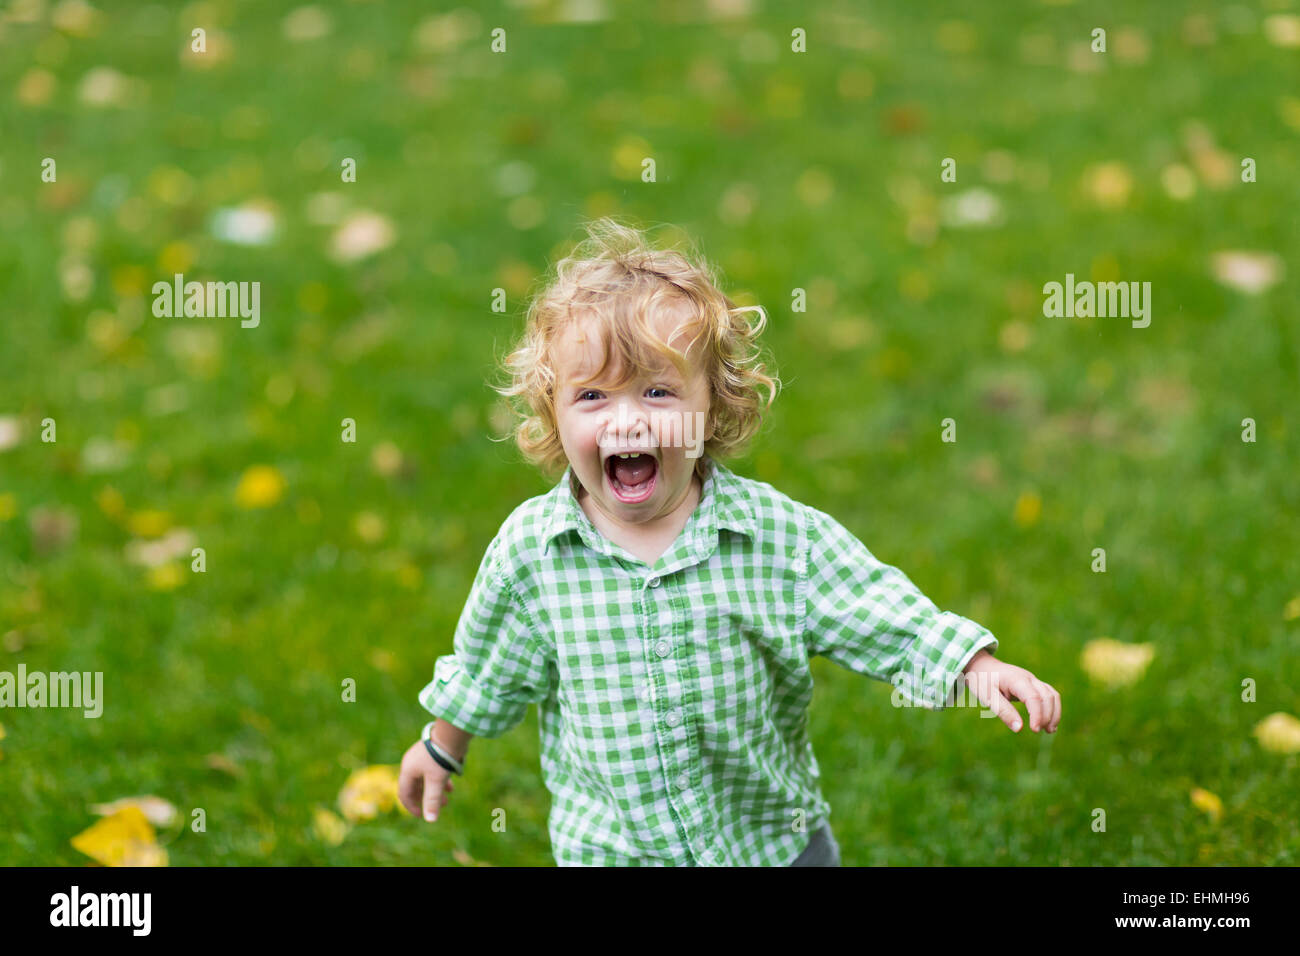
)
(673, 699)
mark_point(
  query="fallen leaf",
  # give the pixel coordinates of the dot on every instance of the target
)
(1248, 272)
(1109, 184)
(369, 792)
(362, 234)
(1279, 733)
(223, 764)
(328, 826)
(1028, 509)
(175, 544)
(156, 810)
(124, 838)
(1208, 803)
(165, 577)
(1115, 664)
(260, 487)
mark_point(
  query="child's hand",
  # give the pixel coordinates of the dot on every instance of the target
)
(421, 783)
(994, 681)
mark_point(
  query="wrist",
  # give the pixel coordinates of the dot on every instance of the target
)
(457, 749)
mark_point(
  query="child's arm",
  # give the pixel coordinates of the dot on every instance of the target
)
(868, 617)
(496, 669)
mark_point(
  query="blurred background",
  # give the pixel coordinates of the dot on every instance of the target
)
(328, 561)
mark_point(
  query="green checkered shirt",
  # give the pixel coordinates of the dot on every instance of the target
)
(673, 699)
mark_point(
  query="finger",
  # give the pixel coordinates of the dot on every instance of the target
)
(408, 792)
(432, 797)
(1049, 698)
(1004, 709)
(1025, 688)
(1054, 696)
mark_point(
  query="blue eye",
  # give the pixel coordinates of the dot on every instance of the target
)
(656, 388)
(590, 391)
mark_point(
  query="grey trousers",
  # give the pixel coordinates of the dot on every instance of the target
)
(822, 850)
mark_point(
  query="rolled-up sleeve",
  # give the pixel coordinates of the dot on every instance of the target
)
(868, 617)
(497, 667)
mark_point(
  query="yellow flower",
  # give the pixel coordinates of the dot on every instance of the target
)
(1279, 733)
(1208, 803)
(328, 826)
(124, 838)
(1028, 508)
(166, 577)
(1289, 613)
(369, 792)
(1115, 664)
(260, 487)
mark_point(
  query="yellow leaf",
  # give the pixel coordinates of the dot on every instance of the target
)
(1115, 664)
(156, 810)
(386, 459)
(123, 839)
(111, 502)
(369, 527)
(1028, 509)
(1279, 733)
(149, 524)
(408, 575)
(1292, 609)
(8, 506)
(1208, 803)
(1108, 184)
(328, 826)
(369, 792)
(224, 764)
(165, 577)
(260, 487)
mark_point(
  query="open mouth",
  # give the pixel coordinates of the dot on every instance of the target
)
(632, 477)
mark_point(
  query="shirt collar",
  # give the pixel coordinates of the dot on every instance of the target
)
(722, 504)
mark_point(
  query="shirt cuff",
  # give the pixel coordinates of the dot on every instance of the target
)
(453, 696)
(942, 653)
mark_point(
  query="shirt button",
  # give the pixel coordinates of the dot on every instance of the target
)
(674, 718)
(683, 781)
(662, 648)
(654, 582)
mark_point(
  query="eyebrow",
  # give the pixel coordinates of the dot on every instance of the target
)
(669, 374)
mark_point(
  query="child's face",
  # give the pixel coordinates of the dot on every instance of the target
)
(657, 414)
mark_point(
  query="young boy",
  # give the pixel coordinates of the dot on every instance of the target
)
(661, 610)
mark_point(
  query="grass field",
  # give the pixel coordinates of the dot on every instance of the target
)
(818, 171)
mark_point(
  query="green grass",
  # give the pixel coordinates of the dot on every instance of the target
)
(1130, 437)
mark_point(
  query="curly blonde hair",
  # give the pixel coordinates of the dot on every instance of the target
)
(617, 279)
